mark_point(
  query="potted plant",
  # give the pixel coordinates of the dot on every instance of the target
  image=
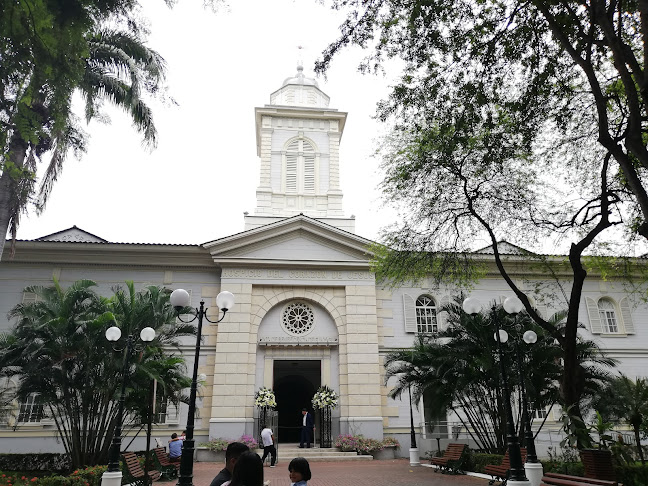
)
(212, 451)
(388, 451)
(325, 400)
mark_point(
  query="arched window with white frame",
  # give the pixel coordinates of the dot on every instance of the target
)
(608, 316)
(300, 167)
(426, 314)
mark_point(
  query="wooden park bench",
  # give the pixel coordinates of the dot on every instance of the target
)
(562, 480)
(554, 479)
(598, 464)
(452, 459)
(500, 472)
(167, 468)
(134, 472)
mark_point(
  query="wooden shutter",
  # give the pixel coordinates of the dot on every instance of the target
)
(541, 309)
(626, 315)
(29, 298)
(557, 412)
(409, 313)
(171, 413)
(291, 172)
(442, 316)
(309, 173)
(594, 317)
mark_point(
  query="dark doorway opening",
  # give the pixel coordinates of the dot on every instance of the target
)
(295, 383)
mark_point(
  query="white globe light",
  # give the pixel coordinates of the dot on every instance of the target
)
(530, 337)
(180, 298)
(513, 305)
(471, 306)
(225, 300)
(503, 336)
(147, 334)
(202, 377)
(113, 333)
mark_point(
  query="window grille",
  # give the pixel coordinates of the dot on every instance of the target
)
(539, 413)
(31, 411)
(608, 316)
(426, 315)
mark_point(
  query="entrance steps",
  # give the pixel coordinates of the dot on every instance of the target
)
(287, 452)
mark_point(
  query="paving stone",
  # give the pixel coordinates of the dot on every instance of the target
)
(373, 473)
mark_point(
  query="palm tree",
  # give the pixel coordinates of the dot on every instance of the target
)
(151, 307)
(457, 370)
(36, 117)
(626, 400)
(59, 352)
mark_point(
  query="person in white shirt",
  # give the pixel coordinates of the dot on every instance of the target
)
(268, 445)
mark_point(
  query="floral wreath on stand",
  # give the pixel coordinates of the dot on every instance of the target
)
(325, 397)
(265, 398)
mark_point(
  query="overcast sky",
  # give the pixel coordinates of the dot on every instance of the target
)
(203, 175)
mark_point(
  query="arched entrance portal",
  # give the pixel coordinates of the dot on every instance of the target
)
(295, 383)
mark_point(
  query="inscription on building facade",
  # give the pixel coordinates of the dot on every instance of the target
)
(249, 273)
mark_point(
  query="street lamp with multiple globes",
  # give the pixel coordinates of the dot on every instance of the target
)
(180, 299)
(113, 474)
(533, 467)
(517, 474)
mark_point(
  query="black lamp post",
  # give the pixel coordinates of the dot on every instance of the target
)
(113, 334)
(529, 337)
(472, 306)
(412, 432)
(179, 300)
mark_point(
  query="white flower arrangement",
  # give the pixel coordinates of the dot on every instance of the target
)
(324, 398)
(265, 398)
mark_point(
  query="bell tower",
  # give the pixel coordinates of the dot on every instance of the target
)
(298, 138)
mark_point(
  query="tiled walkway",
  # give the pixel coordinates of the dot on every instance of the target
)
(371, 473)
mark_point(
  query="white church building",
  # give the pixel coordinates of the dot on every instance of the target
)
(308, 310)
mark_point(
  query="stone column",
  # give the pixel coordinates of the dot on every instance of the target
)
(360, 365)
(234, 369)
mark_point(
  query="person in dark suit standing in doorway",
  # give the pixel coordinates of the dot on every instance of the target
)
(308, 426)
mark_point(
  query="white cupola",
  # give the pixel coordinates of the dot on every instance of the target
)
(300, 91)
(298, 138)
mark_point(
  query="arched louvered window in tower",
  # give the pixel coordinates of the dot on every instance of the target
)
(300, 168)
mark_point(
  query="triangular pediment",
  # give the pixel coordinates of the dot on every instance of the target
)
(73, 234)
(292, 240)
(504, 248)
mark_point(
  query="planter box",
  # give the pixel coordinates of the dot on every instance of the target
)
(389, 452)
(205, 455)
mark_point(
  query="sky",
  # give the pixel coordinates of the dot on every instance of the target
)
(196, 185)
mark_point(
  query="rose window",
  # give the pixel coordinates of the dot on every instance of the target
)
(298, 319)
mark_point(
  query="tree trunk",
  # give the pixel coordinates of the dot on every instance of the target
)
(17, 153)
(639, 448)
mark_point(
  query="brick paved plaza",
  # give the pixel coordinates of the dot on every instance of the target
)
(371, 473)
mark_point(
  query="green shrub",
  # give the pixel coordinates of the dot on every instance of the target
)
(564, 467)
(632, 475)
(477, 461)
(34, 462)
(90, 476)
